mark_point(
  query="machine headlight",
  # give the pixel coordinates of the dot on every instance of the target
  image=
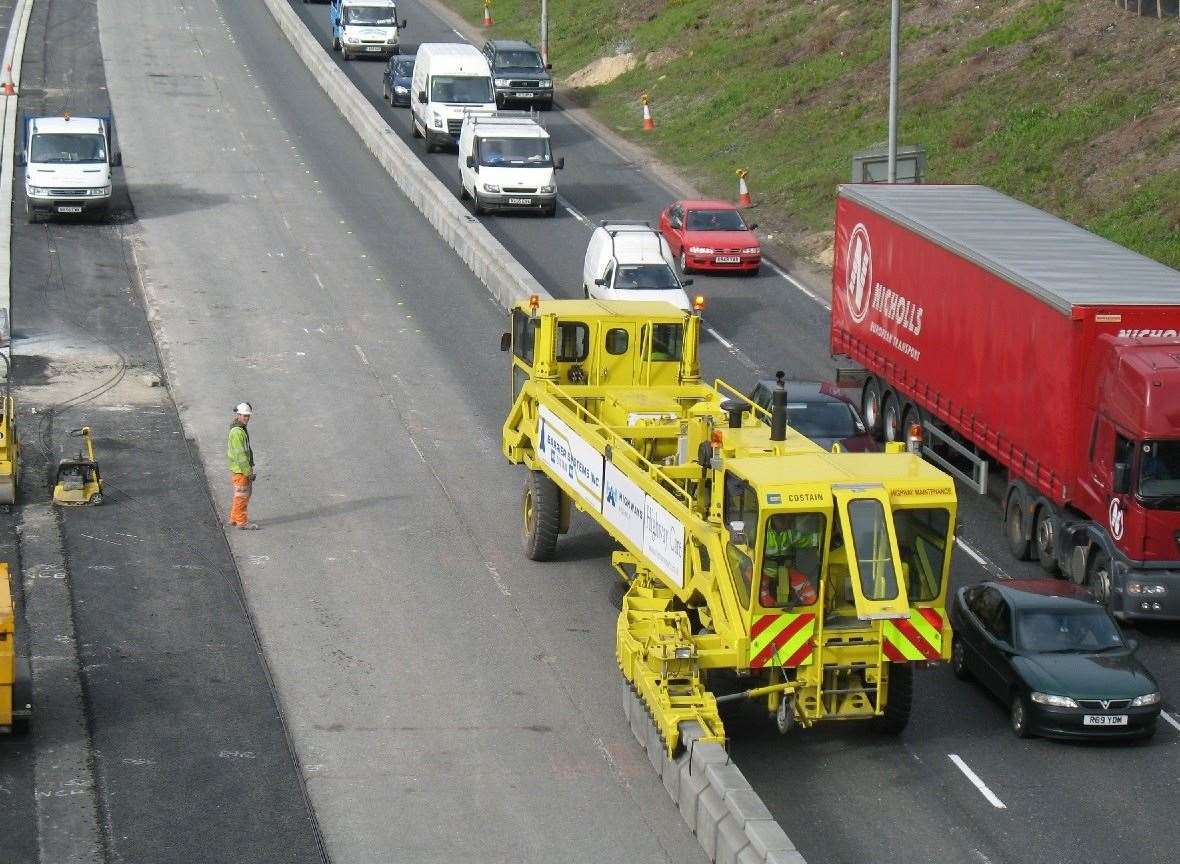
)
(1055, 701)
(490, 187)
(751, 250)
(501, 82)
(700, 250)
(1154, 589)
(544, 84)
(545, 190)
(1144, 701)
(398, 88)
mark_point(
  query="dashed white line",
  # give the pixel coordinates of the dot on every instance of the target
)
(569, 208)
(977, 783)
(737, 352)
(982, 560)
(457, 33)
(1171, 721)
(781, 272)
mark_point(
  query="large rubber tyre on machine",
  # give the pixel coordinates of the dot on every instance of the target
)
(870, 406)
(901, 698)
(540, 517)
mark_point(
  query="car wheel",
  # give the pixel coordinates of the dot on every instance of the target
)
(1045, 538)
(585, 292)
(477, 205)
(30, 213)
(385, 94)
(551, 211)
(463, 196)
(414, 128)
(870, 406)
(959, 660)
(1098, 579)
(1014, 534)
(891, 418)
(1018, 716)
(683, 263)
(335, 44)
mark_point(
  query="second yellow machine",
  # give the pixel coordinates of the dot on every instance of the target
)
(757, 564)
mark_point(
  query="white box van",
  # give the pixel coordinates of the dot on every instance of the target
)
(631, 261)
(449, 79)
(506, 163)
(365, 28)
(68, 163)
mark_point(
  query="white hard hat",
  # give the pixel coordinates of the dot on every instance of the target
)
(243, 408)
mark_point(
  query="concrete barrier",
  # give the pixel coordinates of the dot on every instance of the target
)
(14, 50)
(505, 278)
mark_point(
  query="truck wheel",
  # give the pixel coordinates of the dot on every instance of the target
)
(891, 419)
(540, 517)
(1018, 543)
(900, 696)
(1045, 538)
(870, 406)
(1098, 579)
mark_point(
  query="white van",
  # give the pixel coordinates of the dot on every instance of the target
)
(506, 163)
(68, 163)
(449, 79)
(631, 261)
(365, 28)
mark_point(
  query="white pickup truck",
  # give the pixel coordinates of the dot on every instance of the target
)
(68, 163)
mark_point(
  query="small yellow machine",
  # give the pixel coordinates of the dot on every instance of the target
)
(9, 447)
(79, 481)
(15, 691)
(758, 565)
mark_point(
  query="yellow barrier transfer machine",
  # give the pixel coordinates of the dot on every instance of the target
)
(15, 688)
(9, 446)
(758, 565)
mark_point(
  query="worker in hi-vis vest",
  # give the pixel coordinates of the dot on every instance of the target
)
(241, 466)
(790, 560)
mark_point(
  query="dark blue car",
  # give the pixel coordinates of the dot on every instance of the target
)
(398, 73)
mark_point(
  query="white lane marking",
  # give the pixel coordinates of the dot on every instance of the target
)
(781, 272)
(457, 33)
(1172, 721)
(982, 560)
(977, 783)
(737, 352)
(569, 208)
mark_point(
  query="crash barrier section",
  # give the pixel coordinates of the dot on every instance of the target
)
(487, 258)
(14, 50)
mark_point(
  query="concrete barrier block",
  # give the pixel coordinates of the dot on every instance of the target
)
(639, 722)
(749, 856)
(745, 805)
(671, 775)
(655, 748)
(690, 731)
(726, 778)
(731, 840)
(710, 811)
(767, 836)
(707, 754)
(692, 786)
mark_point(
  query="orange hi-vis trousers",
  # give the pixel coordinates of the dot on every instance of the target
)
(237, 511)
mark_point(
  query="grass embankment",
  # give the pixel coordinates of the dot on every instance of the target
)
(1072, 106)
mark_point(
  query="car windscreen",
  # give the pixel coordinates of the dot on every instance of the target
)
(373, 16)
(515, 152)
(821, 419)
(68, 147)
(1049, 631)
(715, 220)
(461, 89)
(403, 67)
(1159, 470)
(645, 277)
(519, 60)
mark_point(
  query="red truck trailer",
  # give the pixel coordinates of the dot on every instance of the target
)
(1036, 345)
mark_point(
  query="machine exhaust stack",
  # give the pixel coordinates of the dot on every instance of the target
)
(778, 409)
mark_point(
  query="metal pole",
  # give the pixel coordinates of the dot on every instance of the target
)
(894, 38)
(545, 31)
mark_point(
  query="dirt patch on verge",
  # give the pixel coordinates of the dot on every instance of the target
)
(602, 71)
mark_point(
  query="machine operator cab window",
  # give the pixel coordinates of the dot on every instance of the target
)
(661, 346)
(740, 513)
(792, 555)
(875, 569)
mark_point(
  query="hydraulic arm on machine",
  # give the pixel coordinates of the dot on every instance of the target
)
(757, 565)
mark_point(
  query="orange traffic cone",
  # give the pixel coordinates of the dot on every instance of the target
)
(8, 89)
(487, 13)
(744, 199)
(648, 123)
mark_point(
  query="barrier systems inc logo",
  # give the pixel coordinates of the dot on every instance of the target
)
(1116, 519)
(858, 269)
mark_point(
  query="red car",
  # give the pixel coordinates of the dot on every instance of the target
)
(711, 235)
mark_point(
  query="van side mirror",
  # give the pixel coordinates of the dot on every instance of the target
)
(402, 26)
(117, 158)
(600, 282)
(548, 67)
(505, 341)
(1122, 477)
(686, 282)
(753, 226)
(422, 96)
(559, 162)
(470, 161)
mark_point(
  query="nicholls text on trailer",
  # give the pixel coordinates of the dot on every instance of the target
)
(1028, 341)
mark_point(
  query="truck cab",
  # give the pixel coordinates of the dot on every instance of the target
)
(506, 163)
(365, 28)
(68, 161)
(450, 79)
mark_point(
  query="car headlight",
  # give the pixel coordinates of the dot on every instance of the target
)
(1154, 589)
(501, 82)
(398, 88)
(1055, 701)
(545, 190)
(99, 191)
(437, 121)
(545, 84)
(751, 250)
(352, 40)
(490, 187)
(1144, 701)
(700, 250)
(37, 190)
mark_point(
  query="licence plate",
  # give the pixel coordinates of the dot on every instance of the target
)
(523, 95)
(373, 49)
(525, 201)
(728, 259)
(1104, 720)
(69, 209)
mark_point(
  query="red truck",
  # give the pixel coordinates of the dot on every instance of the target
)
(1027, 341)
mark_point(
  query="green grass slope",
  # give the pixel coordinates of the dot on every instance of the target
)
(1072, 106)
